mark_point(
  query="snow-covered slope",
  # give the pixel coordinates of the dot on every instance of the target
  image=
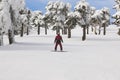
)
(30, 58)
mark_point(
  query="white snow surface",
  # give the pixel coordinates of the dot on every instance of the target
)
(31, 57)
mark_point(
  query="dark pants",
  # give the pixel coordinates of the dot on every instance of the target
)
(59, 45)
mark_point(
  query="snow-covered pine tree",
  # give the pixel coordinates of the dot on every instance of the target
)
(116, 16)
(1, 23)
(10, 18)
(101, 18)
(37, 20)
(6, 24)
(15, 13)
(73, 18)
(105, 18)
(25, 20)
(83, 8)
(92, 12)
(56, 14)
(18, 12)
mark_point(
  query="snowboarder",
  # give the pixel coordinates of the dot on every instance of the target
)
(57, 41)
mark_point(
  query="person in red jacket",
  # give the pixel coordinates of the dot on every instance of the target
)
(57, 41)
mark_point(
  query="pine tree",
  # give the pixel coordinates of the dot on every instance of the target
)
(56, 15)
(72, 20)
(6, 20)
(116, 16)
(10, 18)
(83, 8)
(37, 20)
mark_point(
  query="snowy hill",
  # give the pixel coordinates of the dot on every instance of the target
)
(31, 57)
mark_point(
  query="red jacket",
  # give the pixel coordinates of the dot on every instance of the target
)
(58, 39)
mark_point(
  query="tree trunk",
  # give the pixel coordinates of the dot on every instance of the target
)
(57, 31)
(65, 30)
(87, 30)
(92, 29)
(22, 31)
(27, 30)
(62, 31)
(119, 32)
(1, 38)
(38, 30)
(10, 36)
(99, 31)
(1, 41)
(46, 29)
(104, 32)
(69, 32)
(28, 17)
(84, 33)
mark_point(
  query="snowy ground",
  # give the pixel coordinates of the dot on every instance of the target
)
(30, 58)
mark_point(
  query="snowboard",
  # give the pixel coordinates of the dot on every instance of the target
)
(58, 51)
